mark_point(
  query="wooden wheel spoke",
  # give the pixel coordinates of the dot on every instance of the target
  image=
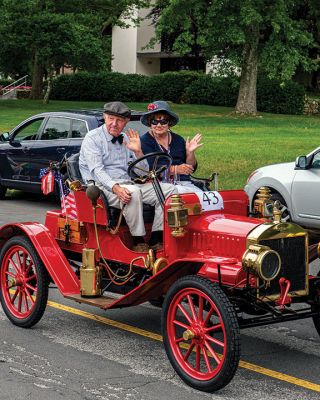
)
(198, 357)
(29, 267)
(206, 358)
(186, 356)
(179, 340)
(191, 305)
(25, 301)
(181, 324)
(14, 265)
(212, 352)
(215, 341)
(14, 296)
(29, 296)
(24, 261)
(213, 328)
(210, 312)
(10, 274)
(184, 312)
(19, 260)
(19, 301)
(30, 277)
(31, 287)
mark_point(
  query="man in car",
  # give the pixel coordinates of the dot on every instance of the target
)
(104, 157)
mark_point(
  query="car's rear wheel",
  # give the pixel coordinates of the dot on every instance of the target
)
(3, 191)
(201, 333)
(23, 282)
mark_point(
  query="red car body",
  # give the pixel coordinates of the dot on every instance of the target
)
(207, 274)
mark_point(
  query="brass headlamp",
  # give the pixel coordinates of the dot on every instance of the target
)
(262, 261)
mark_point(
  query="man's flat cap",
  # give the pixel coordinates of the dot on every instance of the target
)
(117, 108)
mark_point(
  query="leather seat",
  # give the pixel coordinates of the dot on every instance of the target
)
(73, 173)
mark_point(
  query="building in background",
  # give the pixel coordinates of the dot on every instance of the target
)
(129, 54)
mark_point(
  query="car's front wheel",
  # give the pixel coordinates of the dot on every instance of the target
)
(285, 212)
(201, 333)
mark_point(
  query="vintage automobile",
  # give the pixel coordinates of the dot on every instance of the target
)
(44, 137)
(219, 270)
(295, 184)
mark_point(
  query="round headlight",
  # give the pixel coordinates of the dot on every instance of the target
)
(269, 265)
(262, 261)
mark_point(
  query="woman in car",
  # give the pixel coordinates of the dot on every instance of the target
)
(160, 137)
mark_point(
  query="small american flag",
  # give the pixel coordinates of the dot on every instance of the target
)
(68, 204)
(47, 180)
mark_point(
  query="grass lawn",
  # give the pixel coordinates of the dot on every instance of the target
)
(233, 146)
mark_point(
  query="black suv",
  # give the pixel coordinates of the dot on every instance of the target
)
(43, 138)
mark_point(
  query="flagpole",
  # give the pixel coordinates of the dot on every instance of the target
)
(62, 197)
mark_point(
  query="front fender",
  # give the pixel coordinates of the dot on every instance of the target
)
(275, 186)
(48, 250)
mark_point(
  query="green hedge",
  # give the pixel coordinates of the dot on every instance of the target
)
(214, 91)
(103, 86)
(178, 87)
(278, 98)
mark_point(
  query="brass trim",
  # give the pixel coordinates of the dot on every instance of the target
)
(177, 216)
(90, 274)
(188, 334)
(268, 231)
(159, 264)
(263, 204)
(194, 208)
(253, 259)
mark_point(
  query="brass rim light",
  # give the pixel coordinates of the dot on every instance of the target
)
(262, 261)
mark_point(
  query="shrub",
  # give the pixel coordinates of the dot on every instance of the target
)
(274, 97)
(218, 91)
(170, 86)
(185, 86)
(99, 86)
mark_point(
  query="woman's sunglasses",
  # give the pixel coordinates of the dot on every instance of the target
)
(159, 121)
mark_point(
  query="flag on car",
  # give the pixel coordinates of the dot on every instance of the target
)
(47, 180)
(68, 204)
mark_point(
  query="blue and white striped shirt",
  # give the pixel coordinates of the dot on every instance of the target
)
(103, 161)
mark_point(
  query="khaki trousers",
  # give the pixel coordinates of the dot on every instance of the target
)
(133, 211)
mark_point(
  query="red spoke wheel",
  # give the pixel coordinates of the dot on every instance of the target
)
(23, 282)
(201, 333)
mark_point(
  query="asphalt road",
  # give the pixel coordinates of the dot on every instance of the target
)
(80, 352)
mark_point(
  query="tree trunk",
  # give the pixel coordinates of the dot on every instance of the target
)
(49, 87)
(247, 98)
(37, 79)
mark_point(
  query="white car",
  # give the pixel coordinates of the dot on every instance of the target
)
(295, 184)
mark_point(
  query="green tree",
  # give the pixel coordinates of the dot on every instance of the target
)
(266, 35)
(40, 36)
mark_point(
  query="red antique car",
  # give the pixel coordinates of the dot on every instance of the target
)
(220, 270)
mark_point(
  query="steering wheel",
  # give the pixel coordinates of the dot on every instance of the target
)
(153, 173)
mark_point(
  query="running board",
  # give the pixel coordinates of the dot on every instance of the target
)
(101, 301)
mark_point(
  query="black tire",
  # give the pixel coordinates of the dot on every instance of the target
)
(23, 282)
(3, 191)
(211, 321)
